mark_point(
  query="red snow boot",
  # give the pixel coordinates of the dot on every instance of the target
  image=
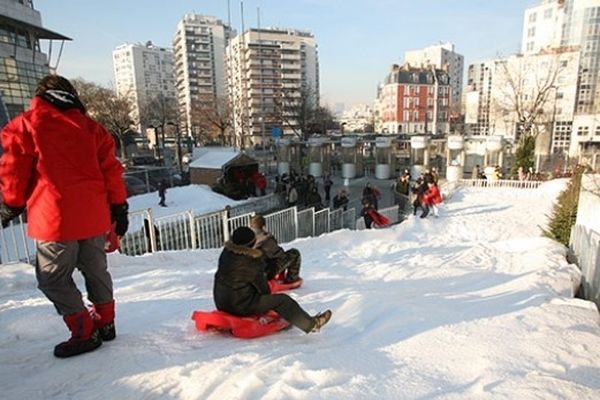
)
(104, 320)
(84, 336)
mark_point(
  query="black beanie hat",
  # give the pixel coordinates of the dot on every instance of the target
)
(243, 236)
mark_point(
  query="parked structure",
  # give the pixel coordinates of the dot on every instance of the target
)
(143, 72)
(271, 72)
(22, 62)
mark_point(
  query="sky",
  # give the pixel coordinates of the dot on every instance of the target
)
(358, 39)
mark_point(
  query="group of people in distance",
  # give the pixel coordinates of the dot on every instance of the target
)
(75, 195)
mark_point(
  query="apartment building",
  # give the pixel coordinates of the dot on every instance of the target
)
(199, 50)
(415, 100)
(143, 72)
(442, 56)
(272, 72)
(561, 41)
(22, 62)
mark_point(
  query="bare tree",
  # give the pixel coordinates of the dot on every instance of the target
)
(109, 109)
(159, 110)
(216, 114)
(524, 89)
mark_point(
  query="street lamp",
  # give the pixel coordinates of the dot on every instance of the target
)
(178, 143)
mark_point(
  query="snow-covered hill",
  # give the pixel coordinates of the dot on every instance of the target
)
(473, 305)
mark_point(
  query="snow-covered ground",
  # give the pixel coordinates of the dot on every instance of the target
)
(199, 198)
(473, 305)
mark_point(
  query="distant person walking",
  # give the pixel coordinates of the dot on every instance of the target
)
(162, 193)
(327, 184)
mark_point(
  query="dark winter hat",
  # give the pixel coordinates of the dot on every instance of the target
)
(243, 236)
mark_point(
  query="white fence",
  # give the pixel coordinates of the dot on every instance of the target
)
(14, 243)
(502, 183)
(585, 245)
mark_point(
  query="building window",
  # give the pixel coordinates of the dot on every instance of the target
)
(530, 46)
(583, 131)
(597, 131)
(532, 17)
(548, 13)
(531, 31)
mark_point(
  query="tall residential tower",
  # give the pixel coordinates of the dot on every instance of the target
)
(199, 48)
(272, 71)
(143, 72)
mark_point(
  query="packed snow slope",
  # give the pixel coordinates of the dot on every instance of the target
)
(473, 305)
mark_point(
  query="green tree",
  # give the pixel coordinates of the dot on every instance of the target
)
(564, 213)
(525, 154)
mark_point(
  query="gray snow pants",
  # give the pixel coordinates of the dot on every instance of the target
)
(56, 262)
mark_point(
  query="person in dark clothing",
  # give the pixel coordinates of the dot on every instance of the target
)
(327, 184)
(402, 190)
(313, 199)
(340, 200)
(162, 193)
(277, 259)
(241, 288)
(419, 189)
(371, 194)
(428, 177)
(365, 213)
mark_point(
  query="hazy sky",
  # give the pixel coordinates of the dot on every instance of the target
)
(358, 39)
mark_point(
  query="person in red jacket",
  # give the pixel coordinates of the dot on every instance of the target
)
(61, 165)
(260, 182)
(431, 199)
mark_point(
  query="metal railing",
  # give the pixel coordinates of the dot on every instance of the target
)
(306, 223)
(321, 222)
(585, 245)
(502, 183)
(15, 246)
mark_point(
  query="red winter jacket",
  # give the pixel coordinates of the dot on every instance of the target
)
(432, 196)
(62, 166)
(259, 180)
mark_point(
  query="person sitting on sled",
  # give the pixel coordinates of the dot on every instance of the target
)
(277, 259)
(241, 288)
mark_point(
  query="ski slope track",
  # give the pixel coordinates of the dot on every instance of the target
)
(473, 305)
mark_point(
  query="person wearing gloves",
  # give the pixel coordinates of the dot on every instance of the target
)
(60, 165)
(241, 288)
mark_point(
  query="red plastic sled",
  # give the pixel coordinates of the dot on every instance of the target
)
(378, 219)
(276, 285)
(112, 240)
(242, 327)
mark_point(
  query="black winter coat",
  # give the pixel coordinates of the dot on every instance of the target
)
(240, 280)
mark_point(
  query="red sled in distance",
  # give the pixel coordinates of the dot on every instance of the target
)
(276, 284)
(241, 327)
(380, 220)
(112, 240)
